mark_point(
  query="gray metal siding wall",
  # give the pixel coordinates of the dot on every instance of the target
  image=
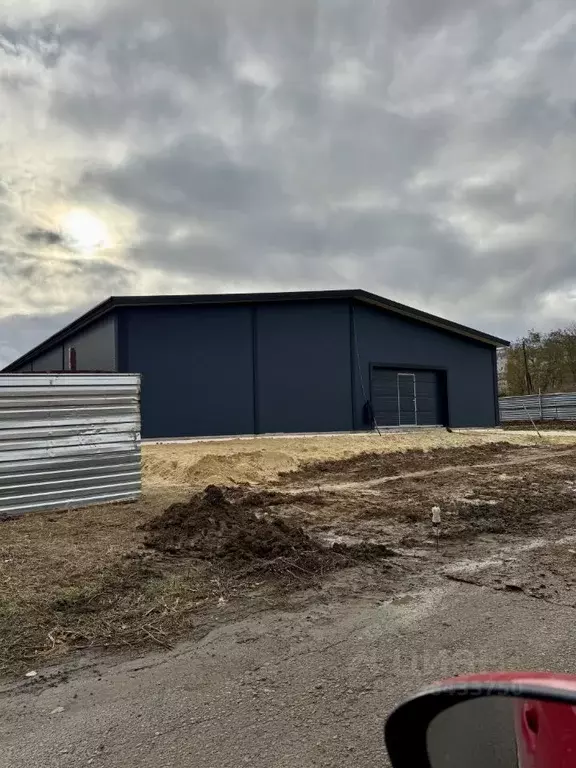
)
(49, 361)
(303, 373)
(196, 365)
(68, 440)
(95, 347)
(389, 339)
(95, 350)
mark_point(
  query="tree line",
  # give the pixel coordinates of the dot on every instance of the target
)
(539, 362)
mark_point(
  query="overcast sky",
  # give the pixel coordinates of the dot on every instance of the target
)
(422, 150)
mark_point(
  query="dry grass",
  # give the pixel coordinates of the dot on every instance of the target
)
(58, 571)
(79, 579)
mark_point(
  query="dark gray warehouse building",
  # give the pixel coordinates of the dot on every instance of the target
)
(322, 361)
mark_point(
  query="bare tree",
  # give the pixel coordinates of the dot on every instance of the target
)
(541, 362)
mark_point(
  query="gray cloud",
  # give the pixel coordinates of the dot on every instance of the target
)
(18, 333)
(423, 150)
(44, 237)
(194, 177)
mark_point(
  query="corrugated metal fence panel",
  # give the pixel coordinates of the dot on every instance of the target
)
(68, 440)
(549, 407)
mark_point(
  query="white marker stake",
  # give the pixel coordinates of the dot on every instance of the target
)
(436, 520)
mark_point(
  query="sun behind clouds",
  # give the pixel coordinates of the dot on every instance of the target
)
(84, 232)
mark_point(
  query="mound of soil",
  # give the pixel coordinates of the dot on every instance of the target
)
(232, 525)
(366, 466)
(212, 525)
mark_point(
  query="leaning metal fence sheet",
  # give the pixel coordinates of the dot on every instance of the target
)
(550, 407)
(68, 440)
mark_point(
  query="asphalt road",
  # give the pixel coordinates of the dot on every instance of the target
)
(309, 688)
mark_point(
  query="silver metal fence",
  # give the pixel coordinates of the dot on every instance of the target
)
(549, 407)
(68, 440)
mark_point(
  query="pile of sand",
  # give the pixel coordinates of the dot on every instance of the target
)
(261, 460)
(179, 464)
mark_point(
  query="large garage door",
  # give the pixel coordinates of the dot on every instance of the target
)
(405, 398)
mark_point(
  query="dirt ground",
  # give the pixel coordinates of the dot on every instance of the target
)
(309, 685)
(230, 528)
(546, 426)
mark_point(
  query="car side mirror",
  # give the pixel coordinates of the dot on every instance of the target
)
(487, 721)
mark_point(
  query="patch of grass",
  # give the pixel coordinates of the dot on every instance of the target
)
(8, 610)
(76, 599)
(130, 604)
(76, 582)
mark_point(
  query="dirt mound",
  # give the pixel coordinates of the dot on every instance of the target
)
(367, 466)
(233, 525)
